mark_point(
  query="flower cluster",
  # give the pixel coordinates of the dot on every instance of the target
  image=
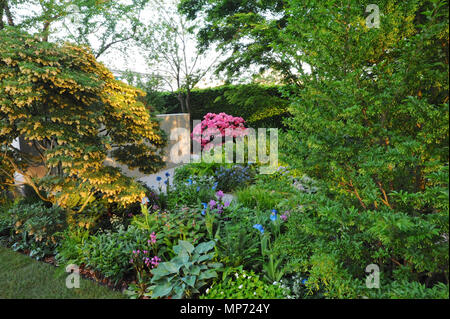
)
(143, 256)
(234, 177)
(152, 239)
(218, 124)
(217, 206)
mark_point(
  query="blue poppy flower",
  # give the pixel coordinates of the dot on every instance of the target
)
(189, 181)
(204, 205)
(166, 181)
(304, 281)
(273, 216)
(145, 201)
(158, 178)
(198, 188)
(259, 227)
(167, 174)
(203, 212)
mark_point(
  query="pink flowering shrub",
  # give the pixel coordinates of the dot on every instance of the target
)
(214, 127)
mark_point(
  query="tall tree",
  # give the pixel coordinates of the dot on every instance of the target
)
(74, 114)
(371, 122)
(244, 32)
(101, 25)
(171, 50)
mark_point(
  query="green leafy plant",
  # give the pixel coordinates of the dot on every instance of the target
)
(240, 284)
(187, 273)
(35, 227)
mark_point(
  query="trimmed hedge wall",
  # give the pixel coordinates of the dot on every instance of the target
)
(259, 105)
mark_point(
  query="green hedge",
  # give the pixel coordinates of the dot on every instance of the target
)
(259, 105)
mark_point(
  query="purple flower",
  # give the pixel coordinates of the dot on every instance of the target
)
(220, 195)
(284, 217)
(226, 204)
(152, 238)
(212, 203)
(155, 261)
(259, 227)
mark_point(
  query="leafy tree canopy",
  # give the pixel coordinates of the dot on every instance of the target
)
(73, 113)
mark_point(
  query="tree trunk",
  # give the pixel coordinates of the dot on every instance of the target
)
(188, 101)
(8, 13)
(182, 102)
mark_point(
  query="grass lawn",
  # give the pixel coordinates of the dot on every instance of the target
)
(23, 277)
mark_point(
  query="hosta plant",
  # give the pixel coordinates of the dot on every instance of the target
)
(185, 274)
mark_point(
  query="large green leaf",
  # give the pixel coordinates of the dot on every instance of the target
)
(190, 280)
(205, 247)
(162, 290)
(185, 246)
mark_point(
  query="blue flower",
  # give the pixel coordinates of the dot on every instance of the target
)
(189, 181)
(203, 212)
(259, 227)
(145, 200)
(204, 205)
(198, 188)
(273, 216)
(166, 181)
(304, 281)
(167, 174)
(158, 178)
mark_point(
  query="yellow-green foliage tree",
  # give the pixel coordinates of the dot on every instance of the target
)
(75, 114)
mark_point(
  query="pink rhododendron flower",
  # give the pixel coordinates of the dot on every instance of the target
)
(214, 127)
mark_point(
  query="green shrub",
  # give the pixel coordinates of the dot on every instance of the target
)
(184, 223)
(108, 252)
(191, 192)
(237, 176)
(259, 105)
(372, 124)
(34, 227)
(259, 198)
(240, 284)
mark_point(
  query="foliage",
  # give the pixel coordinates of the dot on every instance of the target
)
(295, 287)
(74, 114)
(240, 284)
(34, 227)
(182, 224)
(247, 29)
(371, 122)
(185, 274)
(259, 105)
(192, 191)
(101, 25)
(238, 176)
(238, 246)
(171, 51)
(108, 252)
